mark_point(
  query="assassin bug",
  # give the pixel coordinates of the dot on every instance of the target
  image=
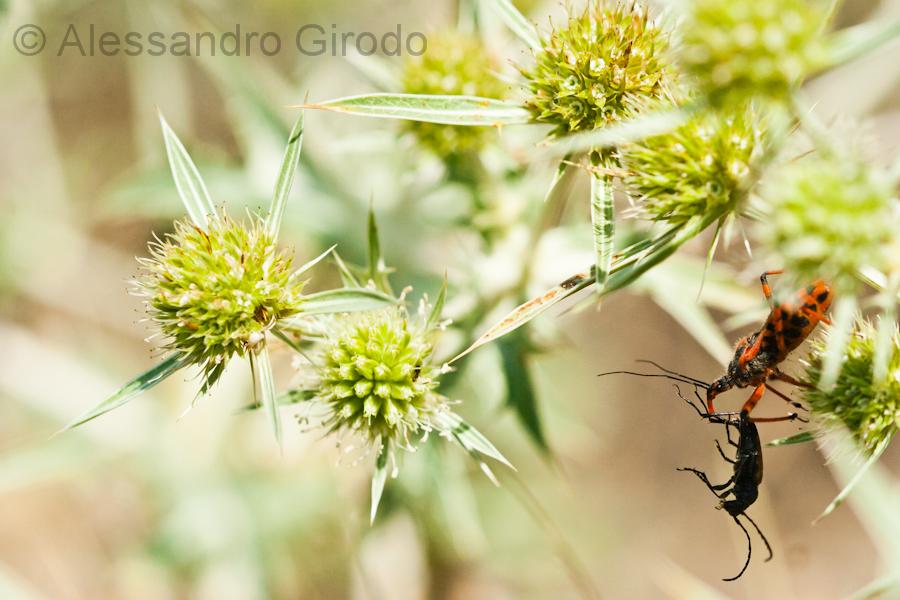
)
(744, 483)
(756, 356)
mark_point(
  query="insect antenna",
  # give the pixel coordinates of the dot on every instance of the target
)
(687, 378)
(762, 537)
(749, 550)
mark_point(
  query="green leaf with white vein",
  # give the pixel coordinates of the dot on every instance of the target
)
(603, 221)
(447, 110)
(191, 188)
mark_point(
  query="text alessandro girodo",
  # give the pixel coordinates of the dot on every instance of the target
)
(309, 40)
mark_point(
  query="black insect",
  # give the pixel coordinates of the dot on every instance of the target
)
(743, 485)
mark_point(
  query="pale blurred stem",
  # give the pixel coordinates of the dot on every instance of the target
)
(814, 128)
(569, 556)
(844, 312)
(886, 328)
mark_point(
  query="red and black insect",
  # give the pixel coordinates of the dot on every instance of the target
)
(744, 483)
(756, 356)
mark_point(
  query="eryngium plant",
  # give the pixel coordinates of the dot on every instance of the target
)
(599, 69)
(457, 64)
(377, 379)
(828, 217)
(700, 168)
(215, 293)
(737, 49)
(868, 406)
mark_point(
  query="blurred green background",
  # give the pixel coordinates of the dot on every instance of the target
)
(148, 502)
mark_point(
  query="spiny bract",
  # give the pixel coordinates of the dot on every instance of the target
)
(829, 217)
(455, 64)
(736, 49)
(869, 409)
(215, 293)
(601, 68)
(701, 167)
(377, 379)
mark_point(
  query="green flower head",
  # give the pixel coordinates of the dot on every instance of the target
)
(736, 49)
(869, 409)
(829, 217)
(601, 68)
(377, 378)
(701, 167)
(215, 293)
(455, 64)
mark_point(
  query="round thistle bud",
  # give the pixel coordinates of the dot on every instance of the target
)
(376, 377)
(455, 64)
(601, 68)
(701, 167)
(215, 293)
(869, 409)
(828, 217)
(744, 48)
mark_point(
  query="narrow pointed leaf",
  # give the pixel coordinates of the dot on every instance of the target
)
(638, 128)
(447, 110)
(345, 300)
(309, 265)
(556, 197)
(261, 366)
(191, 189)
(797, 438)
(379, 478)
(468, 437)
(434, 317)
(517, 23)
(603, 221)
(288, 398)
(530, 309)
(347, 276)
(286, 177)
(377, 269)
(520, 394)
(854, 42)
(142, 382)
(854, 480)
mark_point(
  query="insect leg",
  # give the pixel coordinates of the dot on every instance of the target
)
(764, 280)
(785, 398)
(715, 489)
(722, 454)
(754, 398)
(779, 376)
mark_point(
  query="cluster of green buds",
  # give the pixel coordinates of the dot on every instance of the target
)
(214, 293)
(602, 67)
(377, 379)
(735, 49)
(828, 217)
(703, 166)
(455, 64)
(863, 401)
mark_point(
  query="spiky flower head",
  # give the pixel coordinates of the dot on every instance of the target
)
(455, 64)
(828, 217)
(600, 68)
(214, 293)
(868, 406)
(377, 379)
(736, 49)
(701, 167)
